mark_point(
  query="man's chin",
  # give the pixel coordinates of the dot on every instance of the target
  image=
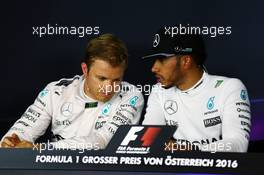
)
(104, 98)
(166, 85)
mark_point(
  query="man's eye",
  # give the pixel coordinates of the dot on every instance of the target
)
(102, 78)
(162, 59)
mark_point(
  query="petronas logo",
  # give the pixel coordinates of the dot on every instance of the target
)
(218, 83)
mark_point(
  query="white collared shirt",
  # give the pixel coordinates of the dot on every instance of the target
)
(215, 110)
(64, 104)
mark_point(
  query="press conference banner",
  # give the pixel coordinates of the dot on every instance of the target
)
(135, 149)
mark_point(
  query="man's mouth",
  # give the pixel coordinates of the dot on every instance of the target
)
(106, 94)
(159, 78)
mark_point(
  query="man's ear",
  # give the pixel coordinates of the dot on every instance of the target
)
(186, 61)
(84, 69)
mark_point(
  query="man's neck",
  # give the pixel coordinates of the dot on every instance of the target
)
(190, 79)
(87, 93)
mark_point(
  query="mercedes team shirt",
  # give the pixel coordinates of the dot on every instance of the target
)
(215, 111)
(75, 118)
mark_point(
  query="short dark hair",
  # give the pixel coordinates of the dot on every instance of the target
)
(199, 59)
(106, 47)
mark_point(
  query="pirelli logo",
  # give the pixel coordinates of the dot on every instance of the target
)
(212, 121)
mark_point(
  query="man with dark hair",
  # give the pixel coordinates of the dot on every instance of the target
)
(210, 112)
(85, 109)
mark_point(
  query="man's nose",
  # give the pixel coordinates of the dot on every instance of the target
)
(108, 87)
(155, 67)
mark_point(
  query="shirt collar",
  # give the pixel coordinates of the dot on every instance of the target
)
(197, 86)
(80, 92)
(85, 98)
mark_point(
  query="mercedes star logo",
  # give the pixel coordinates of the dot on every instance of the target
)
(67, 109)
(171, 107)
(156, 40)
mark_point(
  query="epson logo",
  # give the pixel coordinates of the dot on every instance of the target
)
(121, 120)
(212, 121)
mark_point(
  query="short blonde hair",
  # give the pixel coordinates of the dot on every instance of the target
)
(106, 47)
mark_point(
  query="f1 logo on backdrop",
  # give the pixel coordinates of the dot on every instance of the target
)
(147, 139)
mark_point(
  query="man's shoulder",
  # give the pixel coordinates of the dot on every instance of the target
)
(64, 84)
(223, 82)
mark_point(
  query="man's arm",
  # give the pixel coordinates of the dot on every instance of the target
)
(236, 120)
(33, 123)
